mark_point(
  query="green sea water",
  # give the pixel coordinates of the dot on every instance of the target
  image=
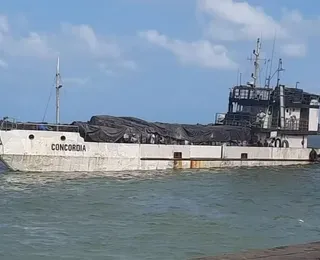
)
(156, 215)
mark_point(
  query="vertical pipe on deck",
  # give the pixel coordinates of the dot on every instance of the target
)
(282, 108)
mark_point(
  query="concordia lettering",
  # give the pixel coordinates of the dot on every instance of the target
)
(69, 147)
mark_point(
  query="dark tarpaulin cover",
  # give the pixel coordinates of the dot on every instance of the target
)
(105, 128)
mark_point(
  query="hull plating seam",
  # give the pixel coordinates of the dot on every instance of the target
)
(226, 159)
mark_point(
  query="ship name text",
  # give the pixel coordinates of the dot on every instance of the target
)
(69, 147)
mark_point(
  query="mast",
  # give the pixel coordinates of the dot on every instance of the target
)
(281, 96)
(58, 86)
(280, 69)
(256, 53)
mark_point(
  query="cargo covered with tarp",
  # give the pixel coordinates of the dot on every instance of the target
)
(113, 129)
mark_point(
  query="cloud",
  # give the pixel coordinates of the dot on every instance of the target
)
(3, 64)
(89, 42)
(4, 25)
(201, 53)
(230, 20)
(33, 45)
(76, 81)
(74, 42)
(298, 25)
(103, 67)
(294, 50)
(129, 64)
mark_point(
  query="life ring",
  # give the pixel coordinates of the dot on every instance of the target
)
(285, 143)
(313, 155)
(277, 143)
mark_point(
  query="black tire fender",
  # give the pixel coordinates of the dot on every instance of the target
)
(313, 155)
(285, 143)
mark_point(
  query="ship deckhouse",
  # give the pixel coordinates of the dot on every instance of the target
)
(280, 116)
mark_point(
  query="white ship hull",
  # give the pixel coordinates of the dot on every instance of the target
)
(46, 152)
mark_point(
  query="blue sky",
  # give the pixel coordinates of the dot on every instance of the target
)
(160, 60)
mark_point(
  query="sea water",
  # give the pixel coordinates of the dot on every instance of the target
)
(156, 215)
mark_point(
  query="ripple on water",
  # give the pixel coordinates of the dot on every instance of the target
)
(157, 214)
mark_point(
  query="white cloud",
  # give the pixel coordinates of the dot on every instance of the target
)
(3, 64)
(294, 50)
(79, 42)
(88, 41)
(239, 20)
(202, 53)
(235, 20)
(107, 69)
(129, 64)
(33, 45)
(231, 20)
(300, 26)
(76, 81)
(4, 25)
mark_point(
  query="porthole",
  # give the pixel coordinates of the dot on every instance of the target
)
(63, 138)
(31, 137)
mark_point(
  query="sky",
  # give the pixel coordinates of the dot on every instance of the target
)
(159, 60)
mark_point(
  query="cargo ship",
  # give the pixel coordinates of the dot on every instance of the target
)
(263, 126)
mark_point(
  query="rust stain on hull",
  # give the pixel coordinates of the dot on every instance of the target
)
(177, 164)
(195, 164)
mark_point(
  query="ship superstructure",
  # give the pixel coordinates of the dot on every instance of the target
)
(280, 116)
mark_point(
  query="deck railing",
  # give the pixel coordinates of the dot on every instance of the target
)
(246, 120)
(8, 124)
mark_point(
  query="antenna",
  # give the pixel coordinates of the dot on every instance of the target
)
(267, 70)
(238, 71)
(58, 86)
(239, 75)
(278, 70)
(274, 43)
